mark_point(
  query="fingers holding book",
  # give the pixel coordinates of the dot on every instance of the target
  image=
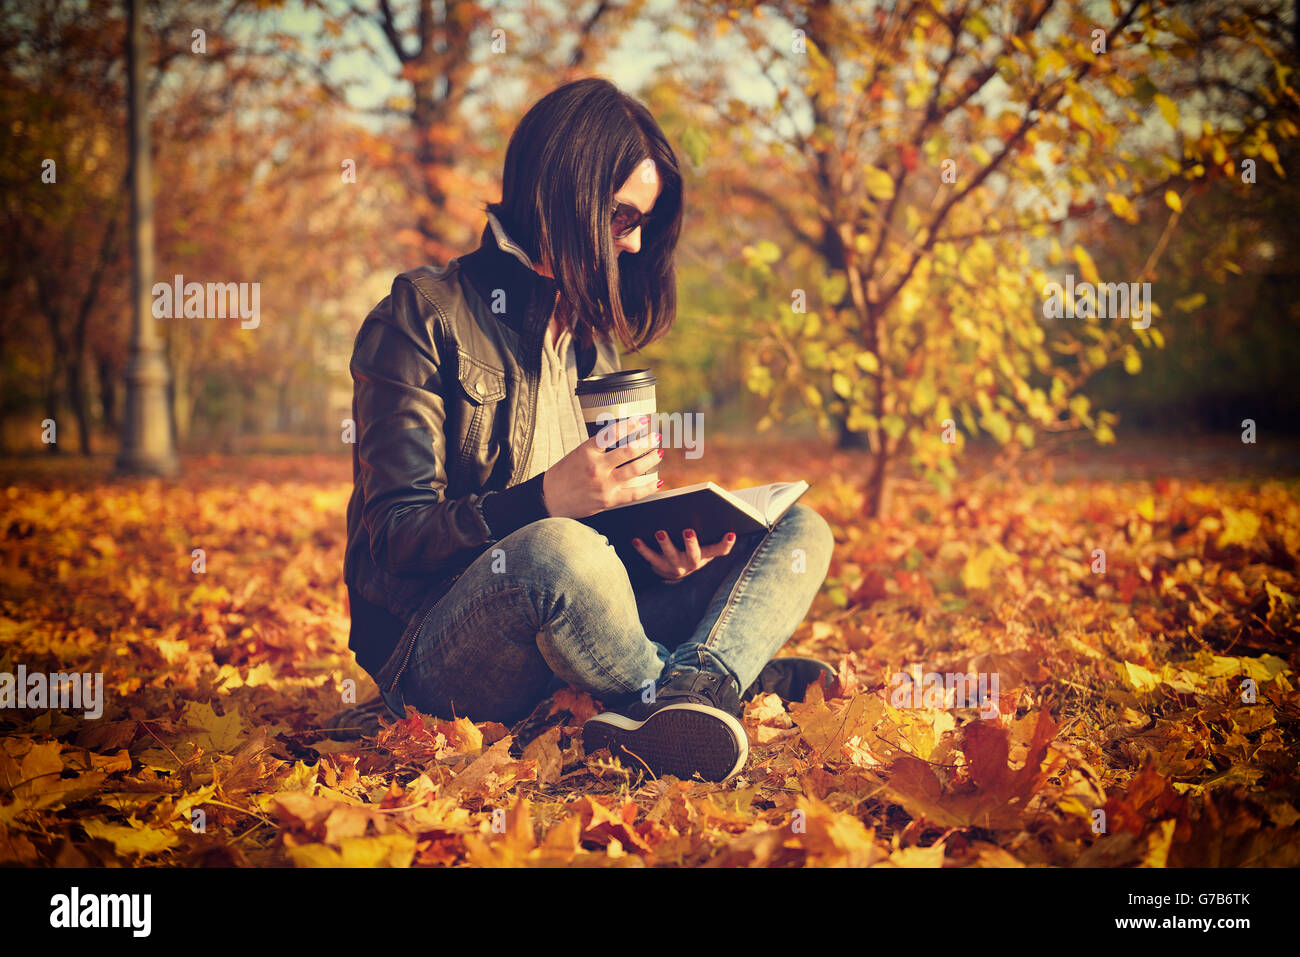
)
(673, 564)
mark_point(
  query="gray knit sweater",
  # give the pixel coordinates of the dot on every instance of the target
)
(560, 428)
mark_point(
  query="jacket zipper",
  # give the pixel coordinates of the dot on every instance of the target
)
(410, 645)
(529, 460)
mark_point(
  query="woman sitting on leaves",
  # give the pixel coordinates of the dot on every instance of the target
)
(474, 589)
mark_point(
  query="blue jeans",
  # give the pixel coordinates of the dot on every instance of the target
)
(553, 604)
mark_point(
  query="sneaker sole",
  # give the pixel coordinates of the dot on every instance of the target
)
(678, 739)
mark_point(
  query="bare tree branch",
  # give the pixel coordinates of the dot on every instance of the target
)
(1037, 106)
(584, 34)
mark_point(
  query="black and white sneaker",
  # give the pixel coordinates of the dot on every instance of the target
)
(360, 720)
(790, 678)
(690, 728)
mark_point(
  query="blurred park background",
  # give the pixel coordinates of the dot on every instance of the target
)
(877, 196)
(1096, 505)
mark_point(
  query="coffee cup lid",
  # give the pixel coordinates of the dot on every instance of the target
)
(616, 381)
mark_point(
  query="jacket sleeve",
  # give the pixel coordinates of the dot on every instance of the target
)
(398, 388)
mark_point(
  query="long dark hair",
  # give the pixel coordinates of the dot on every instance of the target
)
(572, 151)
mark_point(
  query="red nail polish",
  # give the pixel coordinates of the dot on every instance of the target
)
(660, 484)
(730, 537)
(661, 535)
(689, 534)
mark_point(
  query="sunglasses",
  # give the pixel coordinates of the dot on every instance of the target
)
(627, 218)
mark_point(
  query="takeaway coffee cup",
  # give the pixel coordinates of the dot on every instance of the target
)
(612, 396)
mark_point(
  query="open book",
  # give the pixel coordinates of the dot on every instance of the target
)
(707, 508)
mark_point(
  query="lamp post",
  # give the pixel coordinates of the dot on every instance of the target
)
(146, 426)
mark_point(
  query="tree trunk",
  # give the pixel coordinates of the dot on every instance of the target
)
(78, 399)
(52, 403)
(171, 412)
(846, 439)
(58, 356)
(107, 375)
(179, 354)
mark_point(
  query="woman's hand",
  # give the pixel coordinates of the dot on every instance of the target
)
(589, 479)
(672, 564)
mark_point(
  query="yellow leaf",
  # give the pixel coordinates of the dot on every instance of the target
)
(879, 183)
(836, 838)
(826, 728)
(1121, 206)
(1172, 201)
(922, 728)
(130, 840)
(40, 768)
(1264, 668)
(387, 850)
(187, 802)
(262, 674)
(1158, 843)
(215, 732)
(1168, 109)
(1139, 678)
(1132, 361)
(1239, 527)
(1180, 680)
(931, 856)
(978, 570)
(463, 735)
(1086, 265)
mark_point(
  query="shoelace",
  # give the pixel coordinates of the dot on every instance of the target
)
(711, 689)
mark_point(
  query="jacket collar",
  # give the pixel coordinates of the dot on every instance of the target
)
(504, 278)
(506, 244)
(500, 271)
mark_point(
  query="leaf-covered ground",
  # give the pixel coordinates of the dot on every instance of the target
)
(1127, 691)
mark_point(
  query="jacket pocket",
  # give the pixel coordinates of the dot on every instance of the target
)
(481, 382)
(483, 387)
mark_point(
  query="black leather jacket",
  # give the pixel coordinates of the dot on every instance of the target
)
(444, 401)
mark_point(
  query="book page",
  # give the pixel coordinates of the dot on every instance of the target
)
(782, 496)
(771, 501)
(755, 498)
